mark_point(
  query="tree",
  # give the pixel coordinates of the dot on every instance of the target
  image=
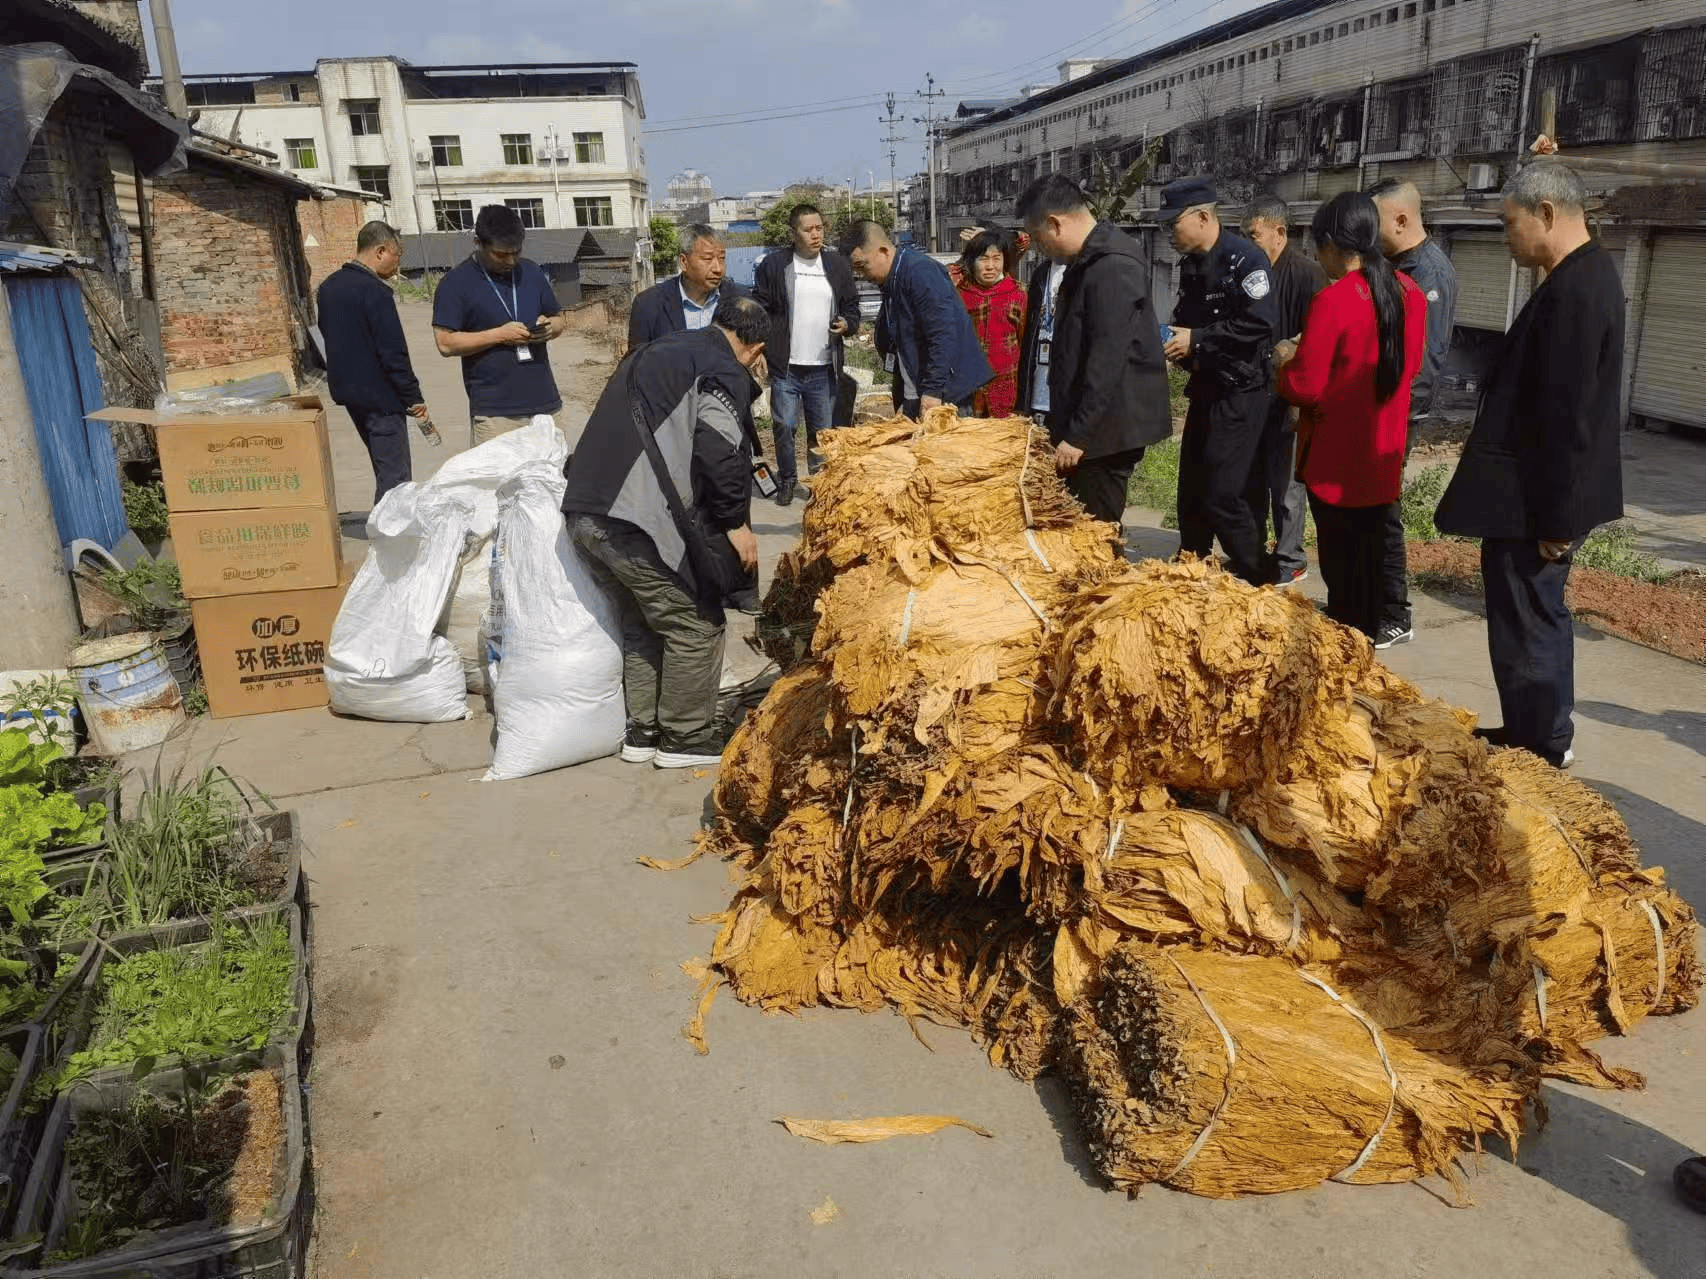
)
(1111, 194)
(838, 215)
(666, 246)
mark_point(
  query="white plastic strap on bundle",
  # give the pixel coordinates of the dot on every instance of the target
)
(1221, 804)
(1024, 497)
(1231, 1064)
(1385, 1061)
(1540, 993)
(1033, 605)
(1280, 879)
(1031, 541)
(1094, 789)
(1563, 834)
(847, 808)
(1116, 833)
(1659, 945)
(906, 617)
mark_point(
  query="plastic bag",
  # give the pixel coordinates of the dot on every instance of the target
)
(385, 659)
(474, 477)
(558, 691)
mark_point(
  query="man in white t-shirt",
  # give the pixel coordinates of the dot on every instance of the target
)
(814, 305)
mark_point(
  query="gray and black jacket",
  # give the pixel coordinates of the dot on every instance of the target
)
(693, 395)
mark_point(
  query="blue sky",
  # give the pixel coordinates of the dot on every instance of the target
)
(819, 68)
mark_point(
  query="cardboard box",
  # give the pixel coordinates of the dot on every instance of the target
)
(249, 552)
(223, 463)
(262, 653)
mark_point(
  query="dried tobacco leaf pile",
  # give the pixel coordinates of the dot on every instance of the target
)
(1276, 917)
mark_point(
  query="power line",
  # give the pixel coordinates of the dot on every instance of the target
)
(765, 119)
(1048, 59)
(860, 99)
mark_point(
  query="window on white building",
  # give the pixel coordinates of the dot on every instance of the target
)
(518, 148)
(446, 150)
(299, 153)
(453, 215)
(363, 116)
(594, 210)
(589, 148)
(375, 179)
(293, 92)
(532, 212)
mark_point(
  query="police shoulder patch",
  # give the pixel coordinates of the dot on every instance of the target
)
(1256, 285)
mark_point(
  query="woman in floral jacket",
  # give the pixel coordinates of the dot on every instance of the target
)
(996, 303)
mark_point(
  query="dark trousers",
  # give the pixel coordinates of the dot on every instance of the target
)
(1350, 545)
(1277, 493)
(799, 391)
(1532, 643)
(1100, 483)
(387, 438)
(1395, 568)
(1223, 433)
(672, 648)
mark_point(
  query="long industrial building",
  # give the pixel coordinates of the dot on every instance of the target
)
(1308, 98)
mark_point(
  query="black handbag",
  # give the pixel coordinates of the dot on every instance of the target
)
(718, 574)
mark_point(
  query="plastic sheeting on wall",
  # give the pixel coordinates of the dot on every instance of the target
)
(63, 384)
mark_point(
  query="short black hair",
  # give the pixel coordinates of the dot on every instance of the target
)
(863, 234)
(499, 227)
(1268, 207)
(983, 242)
(374, 234)
(1051, 193)
(799, 211)
(744, 316)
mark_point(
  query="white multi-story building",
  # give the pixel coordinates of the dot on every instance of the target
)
(558, 143)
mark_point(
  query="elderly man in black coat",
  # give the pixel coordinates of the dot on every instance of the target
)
(1107, 379)
(1541, 469)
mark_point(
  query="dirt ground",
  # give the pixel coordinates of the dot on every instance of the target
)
(1670, 617)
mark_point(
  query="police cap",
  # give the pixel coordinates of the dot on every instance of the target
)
(1185, 193)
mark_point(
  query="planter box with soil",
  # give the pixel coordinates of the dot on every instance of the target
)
(213, 1187)
(288, 1001)
(21, 1056)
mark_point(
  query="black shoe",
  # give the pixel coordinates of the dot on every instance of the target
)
(1690, 1182)
(702, 751)
(785, 492)
(640, 746)
(1391, 633)
(1493, 736)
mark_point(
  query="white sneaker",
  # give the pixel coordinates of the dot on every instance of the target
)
(1569, 758)
(632, 754)
(685, 759)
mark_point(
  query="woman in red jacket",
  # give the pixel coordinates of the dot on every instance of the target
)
(996, 302)
(1350, 375)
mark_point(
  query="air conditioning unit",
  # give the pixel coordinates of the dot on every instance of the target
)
(423, 159)
(1483, 177)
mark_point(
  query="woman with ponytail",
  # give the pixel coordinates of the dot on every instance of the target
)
(1349, 374)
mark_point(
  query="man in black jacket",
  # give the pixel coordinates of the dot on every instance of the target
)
(367, 358)
(1541, 468)
(1107, 378)
(689, 391)
(1274, 486)
(1224, 327)
(689, 299)
(814, 306)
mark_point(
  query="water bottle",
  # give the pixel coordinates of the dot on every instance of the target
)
(430, 431)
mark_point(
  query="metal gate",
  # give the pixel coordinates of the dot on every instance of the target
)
(1482, 260)
(64, 386)
(1670, 370)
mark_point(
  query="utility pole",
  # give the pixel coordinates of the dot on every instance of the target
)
(930, 93)
(890, 121)
(166, 49)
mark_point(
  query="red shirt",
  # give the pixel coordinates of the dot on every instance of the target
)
(998, 315)
(1350, 449)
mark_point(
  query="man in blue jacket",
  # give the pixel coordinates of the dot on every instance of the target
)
(924, 334)
(367, 359)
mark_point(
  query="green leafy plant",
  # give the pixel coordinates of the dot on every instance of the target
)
(151, 593)
(421, 290)
(32, 822)
(145, 510)
(666, 247)
(24, 762)
(1155, 482)
(47, 701)
(1612, 548)
(195, 700)
(1419, 499)
(860, 355)
(1111, 193)
(193, 1003)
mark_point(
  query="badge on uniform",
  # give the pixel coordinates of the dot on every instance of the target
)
(1256, 285)
(524, 353)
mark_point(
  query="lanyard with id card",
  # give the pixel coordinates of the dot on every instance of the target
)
(522, 353)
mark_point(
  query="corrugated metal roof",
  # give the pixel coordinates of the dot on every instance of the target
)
(34, 259)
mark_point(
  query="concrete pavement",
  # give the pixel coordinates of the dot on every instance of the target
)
(500, 1087)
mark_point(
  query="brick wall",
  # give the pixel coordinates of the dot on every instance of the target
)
(229, 275)
(328, 235)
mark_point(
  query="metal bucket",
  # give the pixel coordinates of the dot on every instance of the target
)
(130, 700)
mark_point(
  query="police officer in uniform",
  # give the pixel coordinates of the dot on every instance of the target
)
(1224, 327)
